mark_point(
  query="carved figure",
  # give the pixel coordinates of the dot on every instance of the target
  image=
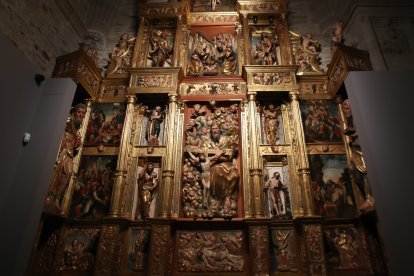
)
(205, 163)
(271, 124)
(278, 195)
(337, 36)
(358, 168)
(281, 243)
(214, 4)
(139, 246)
(156, 117)
(120, 57)
(160, 52)
(306, 50)
(343, 249)
(148, 183)
(70, 143)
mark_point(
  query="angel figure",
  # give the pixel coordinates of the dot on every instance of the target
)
(120, 57)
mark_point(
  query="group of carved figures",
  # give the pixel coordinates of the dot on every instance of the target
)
(211, 58)
(210, 251)
(218, 57)
(210, 170)
(265, 51)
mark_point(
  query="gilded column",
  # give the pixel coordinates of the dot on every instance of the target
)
(76, 160)
(125, 150)
(246, 39)
(168, 170)
(138, 42)
(177, 42)
(286, 45)
(255, 170)
(309, 209)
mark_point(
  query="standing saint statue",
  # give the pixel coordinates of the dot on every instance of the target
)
(271, 124)
(147, 184)
(156, 117)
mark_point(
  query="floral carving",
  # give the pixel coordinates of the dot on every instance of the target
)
(213, 89)
(259, 243)
(204, 18)
(87, 76)
(107, 249)
(155, 81)
(312, 88)
(114, 91)
(271, 78)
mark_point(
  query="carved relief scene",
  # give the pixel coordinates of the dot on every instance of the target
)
(213, 5)
(277, 196)
(105, 124)
(92, 189)
(332, 185)
(212, 52)
(343, 248)
(161, 46)
(321, 123)
(80, 250)
(284, 251)
(137, 250)
(211, 171)
(265, 48)
(210, 251)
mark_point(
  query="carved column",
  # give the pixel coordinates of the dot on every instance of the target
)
(259, 250)
(246, 38)
(76, 161)
(160, 250)
(256, 181)
(138, 42)
(313, 250)
(177, 41)
(286, 45)
(118, 208)
(168, 170)
(107, 257)
(309, 209)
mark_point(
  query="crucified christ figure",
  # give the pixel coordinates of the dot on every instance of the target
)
(205, 164)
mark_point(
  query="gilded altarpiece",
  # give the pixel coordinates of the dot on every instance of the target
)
(214, 143)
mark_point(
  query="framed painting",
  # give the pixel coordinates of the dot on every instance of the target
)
(92, 193)
(332, 185)
(105, 124)
(321, 123)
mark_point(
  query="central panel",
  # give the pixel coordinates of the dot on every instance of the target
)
(211, 165)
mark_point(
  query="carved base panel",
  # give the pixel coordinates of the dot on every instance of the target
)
(216, 247)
